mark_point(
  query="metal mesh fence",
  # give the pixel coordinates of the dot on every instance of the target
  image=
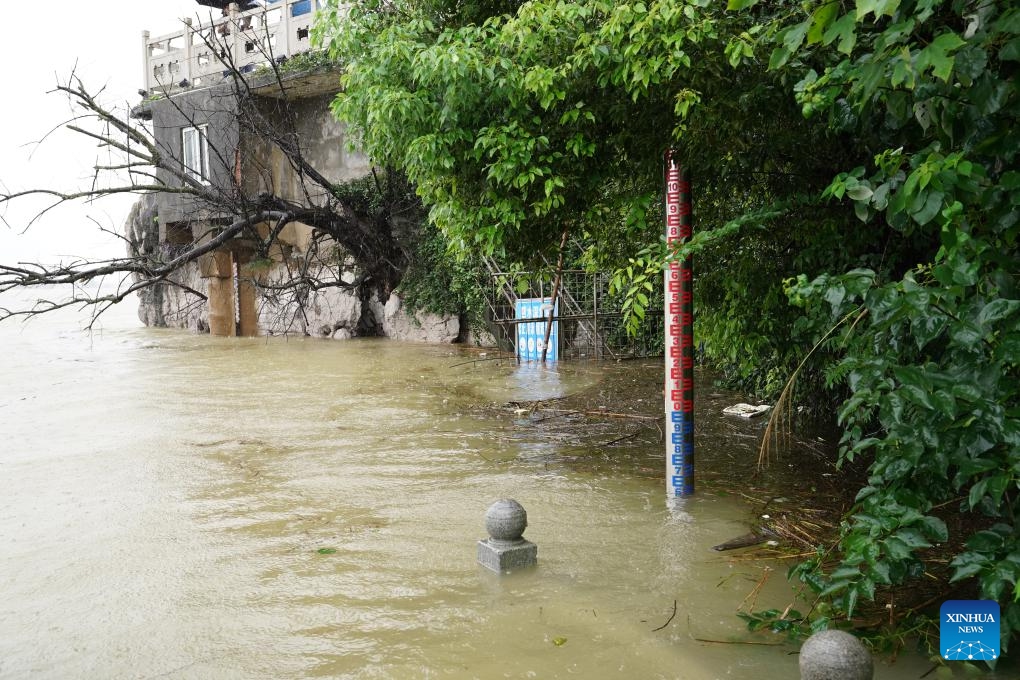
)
(590, 318)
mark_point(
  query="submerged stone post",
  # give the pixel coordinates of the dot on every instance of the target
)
(505, 549)
(835, 655)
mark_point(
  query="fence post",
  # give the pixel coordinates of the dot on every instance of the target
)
(679, 331)
(596, 346)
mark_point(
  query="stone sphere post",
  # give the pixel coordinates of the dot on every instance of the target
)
(505, 549)
(835, 655)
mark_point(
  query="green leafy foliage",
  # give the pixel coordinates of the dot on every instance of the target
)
(304, 62)
(513, 126)
(439, 283)
(854, 166)
(518, 124)
(790, 623)
(932, 369)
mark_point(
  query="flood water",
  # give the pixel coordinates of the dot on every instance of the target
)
(181, 506)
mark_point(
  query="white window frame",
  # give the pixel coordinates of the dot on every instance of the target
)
(195, 152)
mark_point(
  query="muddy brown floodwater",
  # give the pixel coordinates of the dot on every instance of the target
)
(181, 506)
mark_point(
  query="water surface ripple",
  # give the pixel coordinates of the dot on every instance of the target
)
(181, 506)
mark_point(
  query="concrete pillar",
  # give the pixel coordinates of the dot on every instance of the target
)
(248, 322)
(188, 56)
(283, 30)
(236, 41)
(221, 295)
(146, 52)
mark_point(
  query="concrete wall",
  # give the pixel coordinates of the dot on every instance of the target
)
(215, 107)
(322, 140)
(305, 117)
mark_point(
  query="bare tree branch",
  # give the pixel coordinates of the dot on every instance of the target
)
(352, 241)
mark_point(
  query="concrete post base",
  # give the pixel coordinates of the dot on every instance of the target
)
(501, 556)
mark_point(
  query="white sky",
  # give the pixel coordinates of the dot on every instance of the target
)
(39, 43)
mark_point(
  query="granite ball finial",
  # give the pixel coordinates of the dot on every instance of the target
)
(505, 549)
(505, 520)
(835, 655)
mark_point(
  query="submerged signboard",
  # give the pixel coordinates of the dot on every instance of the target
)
(531, 334)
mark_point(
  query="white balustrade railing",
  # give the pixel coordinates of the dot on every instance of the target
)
(196, 56)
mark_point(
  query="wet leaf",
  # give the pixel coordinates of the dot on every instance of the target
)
(326, 551)
(820, 20)
(559, 641)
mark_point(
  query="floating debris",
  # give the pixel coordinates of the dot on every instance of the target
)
(745, 541)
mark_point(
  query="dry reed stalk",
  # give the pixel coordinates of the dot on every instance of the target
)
(753, 595)
(781, 418)
(768, 554)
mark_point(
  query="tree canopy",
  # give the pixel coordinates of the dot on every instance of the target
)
(856, 190)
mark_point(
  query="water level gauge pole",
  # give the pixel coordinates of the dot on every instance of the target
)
(679, 308)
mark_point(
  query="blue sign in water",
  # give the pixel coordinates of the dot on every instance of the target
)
(531, 335)
(969, 630)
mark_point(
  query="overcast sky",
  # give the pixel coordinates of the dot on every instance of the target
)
(41, 42)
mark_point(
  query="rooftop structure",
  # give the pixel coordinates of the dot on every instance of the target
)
(194, 56)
